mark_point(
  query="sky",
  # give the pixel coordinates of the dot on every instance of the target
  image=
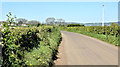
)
(81, 12)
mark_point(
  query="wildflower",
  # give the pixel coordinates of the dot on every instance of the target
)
(33, 55)
(43, 62)
(39, 59)
(30, 64)
(12, 55)
(26, 61)
(16, 59)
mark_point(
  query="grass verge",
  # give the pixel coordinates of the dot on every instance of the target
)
(107, 38)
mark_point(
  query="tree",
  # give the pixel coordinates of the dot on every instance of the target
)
(61, 22)
(50, 21)
(33, 22)
(21, 19)
(74, 25)
(38, 24)
(10, 19)
(20, 23)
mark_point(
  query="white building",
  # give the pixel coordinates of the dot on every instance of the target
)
(12, 24)
(1, 23)
(24, 25)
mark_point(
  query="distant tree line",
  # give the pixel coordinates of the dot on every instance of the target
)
(74, 25)
(24, 22)
(53, 21)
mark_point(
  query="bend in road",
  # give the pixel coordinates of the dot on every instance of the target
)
(78, 49)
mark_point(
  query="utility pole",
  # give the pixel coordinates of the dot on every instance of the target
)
(103, 15)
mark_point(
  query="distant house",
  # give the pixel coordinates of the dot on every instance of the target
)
(1, 23)
(24, 25)
(12, 24)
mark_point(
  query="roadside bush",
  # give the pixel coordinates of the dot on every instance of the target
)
(30, 46)
(74, 25)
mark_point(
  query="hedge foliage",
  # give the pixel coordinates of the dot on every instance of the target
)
(107, 33)
(74, 25)
(30, 46)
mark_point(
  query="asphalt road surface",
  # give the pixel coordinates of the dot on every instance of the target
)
(78, 49)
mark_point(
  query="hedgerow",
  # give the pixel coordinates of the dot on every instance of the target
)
(30, 46)
(74, 25)
(109, 34)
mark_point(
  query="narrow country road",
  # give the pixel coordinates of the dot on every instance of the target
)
(78, 49)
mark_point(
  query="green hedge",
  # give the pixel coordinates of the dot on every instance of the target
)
(30, 46)
(109, 34)
(74, 25)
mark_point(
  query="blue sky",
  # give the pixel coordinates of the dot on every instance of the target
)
(60, 0)
(81, 12)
